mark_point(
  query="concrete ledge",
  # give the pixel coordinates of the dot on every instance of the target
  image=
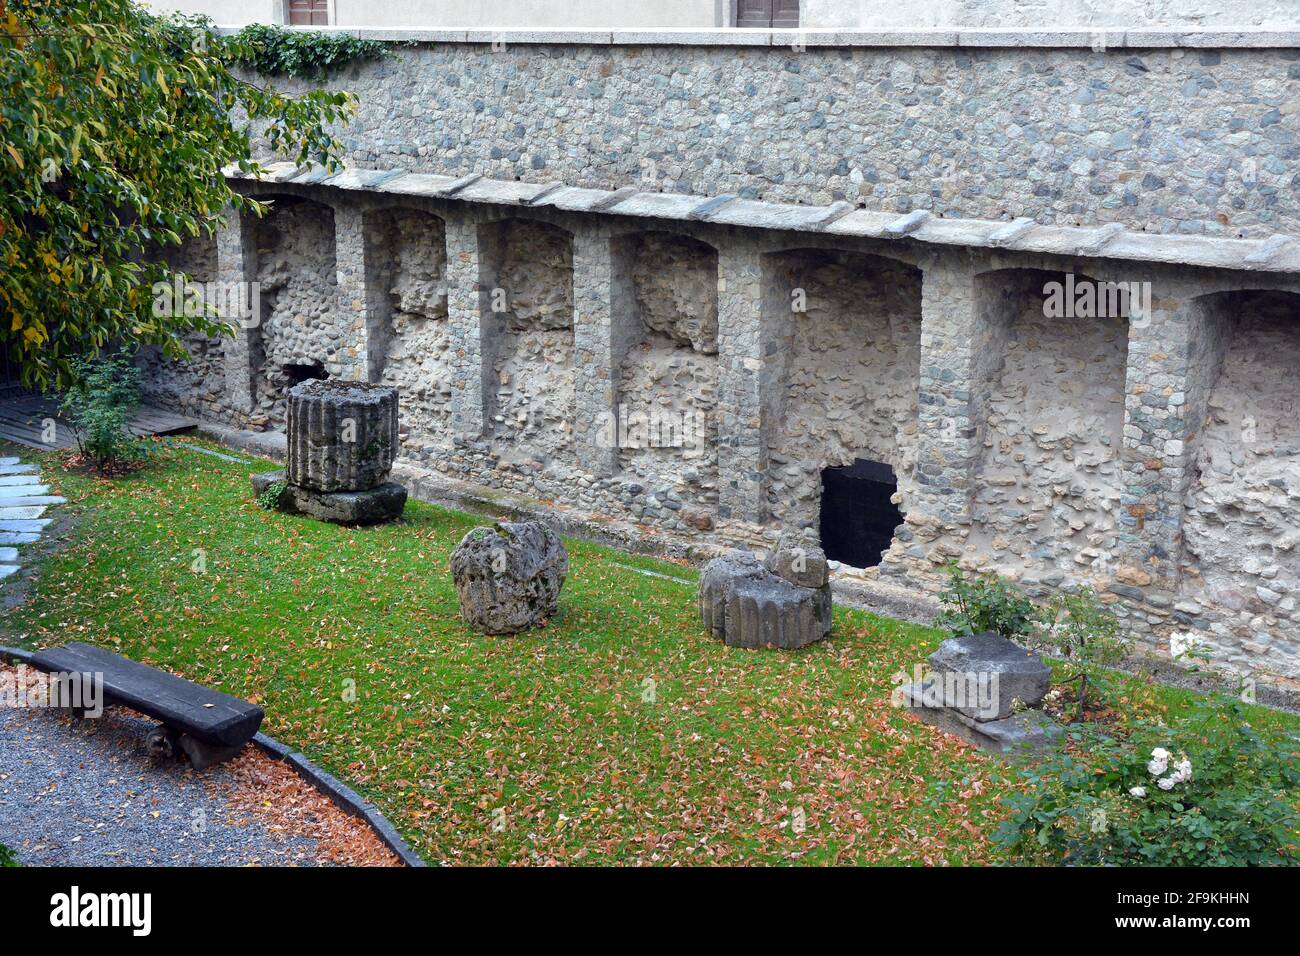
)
(1277, 253)
(1101, 39)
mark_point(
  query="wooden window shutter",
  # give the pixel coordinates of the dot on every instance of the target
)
(309, 13)
(785, 13)
(754, 13)
(767, 13)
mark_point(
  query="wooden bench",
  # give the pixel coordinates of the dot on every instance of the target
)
(207, 725)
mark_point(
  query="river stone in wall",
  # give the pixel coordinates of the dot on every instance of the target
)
(508, 577)
(748, 604)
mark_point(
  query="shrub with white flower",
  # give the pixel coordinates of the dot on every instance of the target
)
(1092, 803)
(1157, 766)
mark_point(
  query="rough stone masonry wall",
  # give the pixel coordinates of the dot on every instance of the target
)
(1167, 140)
(532, 355)
(410, 253)
(300, 316)
(1047, 491)
(1172, 140)
(197, 386)
(670, 371)
(848, 367)
(1242, 523)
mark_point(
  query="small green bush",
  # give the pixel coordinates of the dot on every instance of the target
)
(270, 498)
(104, 395)
(1086, 634)
(1210, 791)
(7, 857)
(986, 603)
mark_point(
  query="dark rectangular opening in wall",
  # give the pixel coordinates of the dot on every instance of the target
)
(857, 518)
(299, 373)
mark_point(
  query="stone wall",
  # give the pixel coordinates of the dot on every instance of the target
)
(848, 344)
(300, 322)
(195, 387)
(1049, 481)
(530, 353)
(409, 249)
(1243, 508)
(521, 321)
(1198, 141)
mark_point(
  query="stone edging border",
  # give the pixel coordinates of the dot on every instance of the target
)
(343, 796)
(1112, 240)
(1099, 39)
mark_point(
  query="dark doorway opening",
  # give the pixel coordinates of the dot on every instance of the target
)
(297, 374)
(857, 518)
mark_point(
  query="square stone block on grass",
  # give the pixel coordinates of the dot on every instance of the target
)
(384, 502)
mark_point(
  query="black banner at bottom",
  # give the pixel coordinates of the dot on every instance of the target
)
(334, 906)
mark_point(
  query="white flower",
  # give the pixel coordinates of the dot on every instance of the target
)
(1161, 754)
(1097, 821)
(1183, 770)
(1157, 767)
(1138, 791)
(1166, 783)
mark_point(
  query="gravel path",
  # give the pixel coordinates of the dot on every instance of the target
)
(86, 793)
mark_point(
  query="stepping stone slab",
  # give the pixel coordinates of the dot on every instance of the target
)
(21, 491)
(8, 555)
(13, 514)
(18, 537)
(208, 716)
(18, 470)
(35, 525)
(33, 500)
(7, 480)
(8, 461)
(7, 569)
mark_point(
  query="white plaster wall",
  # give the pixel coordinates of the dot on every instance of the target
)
(1045, 14)
(814, 14)
(529, 14)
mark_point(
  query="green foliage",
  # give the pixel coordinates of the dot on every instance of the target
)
(275, 51)
(104, 394)
(7, 857)
(1101, 801)
(1086, 634)
(115, 124)
(985, 603)
(271, 497)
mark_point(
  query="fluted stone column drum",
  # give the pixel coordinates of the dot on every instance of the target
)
(342, 435)
(342, 443)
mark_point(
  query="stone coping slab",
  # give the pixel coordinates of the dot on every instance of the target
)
(1101, 39)
(1277, 253)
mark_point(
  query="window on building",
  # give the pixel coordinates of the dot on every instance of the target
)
(767, 13)
(309, 13)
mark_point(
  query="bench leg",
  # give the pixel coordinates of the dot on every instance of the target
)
(202, 755)
(162, 743)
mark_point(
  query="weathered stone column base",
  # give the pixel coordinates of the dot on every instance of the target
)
(382, 503)
(1027, 733)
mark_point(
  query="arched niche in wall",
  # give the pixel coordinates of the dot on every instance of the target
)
(410, 341)
(528, 342)
(843, 334)
(665, 319)
(1051, 362)
(1240, 567)
(299, 332)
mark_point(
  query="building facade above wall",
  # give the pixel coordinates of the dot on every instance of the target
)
(810, 14)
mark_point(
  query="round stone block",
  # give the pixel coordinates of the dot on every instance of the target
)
(342, 435)
(508, 577)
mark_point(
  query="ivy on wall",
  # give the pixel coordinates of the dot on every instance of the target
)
(303, 54)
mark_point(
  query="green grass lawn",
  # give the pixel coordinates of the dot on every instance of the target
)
(621, 732)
